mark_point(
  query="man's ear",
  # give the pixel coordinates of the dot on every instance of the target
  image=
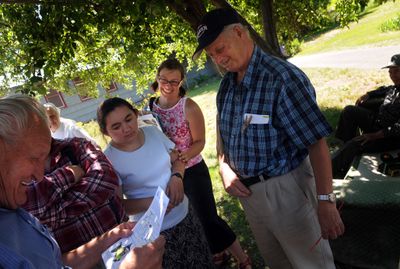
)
(238, 31)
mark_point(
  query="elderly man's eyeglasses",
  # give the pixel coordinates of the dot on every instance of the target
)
(173, 83)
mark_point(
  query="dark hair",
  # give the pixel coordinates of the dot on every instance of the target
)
(154, 86)
(107, 107)
(172, 64)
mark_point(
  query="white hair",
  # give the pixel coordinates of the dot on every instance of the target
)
(233, 25)
(53, 107)
(16, 114)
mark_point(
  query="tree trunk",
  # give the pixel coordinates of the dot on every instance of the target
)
(189, 10)
(269, 25)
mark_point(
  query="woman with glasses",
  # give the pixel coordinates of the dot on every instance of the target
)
(183, 122)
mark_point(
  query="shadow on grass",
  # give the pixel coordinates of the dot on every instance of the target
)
(332, 116)
(231, 208)
(319, 33)
(231, 211)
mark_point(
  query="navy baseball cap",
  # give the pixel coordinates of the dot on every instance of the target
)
(394, 61)
(211, 26)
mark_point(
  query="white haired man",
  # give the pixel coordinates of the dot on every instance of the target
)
(272, 151)
(62, 128)
(25, 243)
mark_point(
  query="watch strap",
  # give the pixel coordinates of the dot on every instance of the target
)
(330, 197)
(323, 197)
(177, 174)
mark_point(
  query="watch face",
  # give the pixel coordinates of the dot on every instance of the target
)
(332, 197)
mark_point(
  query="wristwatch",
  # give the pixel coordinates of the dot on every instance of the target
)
(177, 174)
(331, 197)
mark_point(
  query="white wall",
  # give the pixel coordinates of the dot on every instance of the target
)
(85, 111)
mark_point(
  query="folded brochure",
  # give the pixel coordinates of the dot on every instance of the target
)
(146, 230)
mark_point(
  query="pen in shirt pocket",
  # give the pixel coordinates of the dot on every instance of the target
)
(246, 123)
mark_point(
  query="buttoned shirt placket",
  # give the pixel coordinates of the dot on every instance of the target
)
(236, 123)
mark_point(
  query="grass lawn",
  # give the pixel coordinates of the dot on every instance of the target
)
(365, 32)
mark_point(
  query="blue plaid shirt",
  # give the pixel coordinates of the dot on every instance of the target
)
(280, 90)
(25, 243)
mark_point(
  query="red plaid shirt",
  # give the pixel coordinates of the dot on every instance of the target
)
(76, 212)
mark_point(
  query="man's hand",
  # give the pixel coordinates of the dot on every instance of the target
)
(87, 255)
(231, 182)
(369, 137)
(77, 171)
(120, 231)
(329, 220)
(146, 257)
(362, 99)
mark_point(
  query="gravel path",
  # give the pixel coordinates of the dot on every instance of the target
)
(368, 58)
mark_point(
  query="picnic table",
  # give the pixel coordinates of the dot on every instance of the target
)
(371, 214)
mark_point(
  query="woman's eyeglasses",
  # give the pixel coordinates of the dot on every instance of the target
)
(173, 83)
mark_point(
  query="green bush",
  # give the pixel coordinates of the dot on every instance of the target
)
(391, 25)
(293, 47)
(94, 131)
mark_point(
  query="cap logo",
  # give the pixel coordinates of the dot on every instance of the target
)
(201, 30)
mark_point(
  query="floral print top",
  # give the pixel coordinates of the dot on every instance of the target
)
(176, 127)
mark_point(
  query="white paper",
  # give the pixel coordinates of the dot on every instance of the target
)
(257, 118)
(146, 230)
(148, 119)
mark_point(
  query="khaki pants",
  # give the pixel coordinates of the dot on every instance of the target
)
(282, 216)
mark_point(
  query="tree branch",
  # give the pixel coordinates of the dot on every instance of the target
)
(55, 2)
(191, 11)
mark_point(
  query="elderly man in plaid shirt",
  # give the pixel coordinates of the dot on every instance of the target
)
(272, 151)
(77, 199)
(25, 143)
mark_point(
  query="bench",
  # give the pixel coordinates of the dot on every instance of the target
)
(371, 214)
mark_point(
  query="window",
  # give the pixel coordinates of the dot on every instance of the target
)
(56, 98)
(112, 88)
(77, 83)
(84, 98)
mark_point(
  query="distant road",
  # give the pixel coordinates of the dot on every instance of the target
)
(369, 58)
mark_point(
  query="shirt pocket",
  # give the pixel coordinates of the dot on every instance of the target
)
(256, 139)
